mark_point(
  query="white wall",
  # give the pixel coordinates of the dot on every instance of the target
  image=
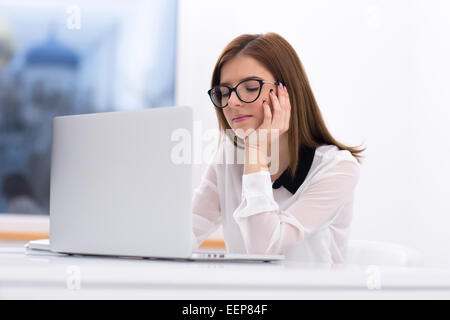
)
(380, 71)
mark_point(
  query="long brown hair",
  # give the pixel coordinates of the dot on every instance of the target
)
(306, 126)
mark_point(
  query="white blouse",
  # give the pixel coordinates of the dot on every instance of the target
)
(307, 219)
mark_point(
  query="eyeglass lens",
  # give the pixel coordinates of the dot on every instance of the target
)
(247, 91)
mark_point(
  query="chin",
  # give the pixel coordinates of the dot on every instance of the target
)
(243, 131)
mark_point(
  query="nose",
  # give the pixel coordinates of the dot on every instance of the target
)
(234, 100)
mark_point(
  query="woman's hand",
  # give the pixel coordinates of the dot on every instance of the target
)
(275, 124)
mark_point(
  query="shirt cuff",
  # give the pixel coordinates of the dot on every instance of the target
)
(256, 183)
(258, 194)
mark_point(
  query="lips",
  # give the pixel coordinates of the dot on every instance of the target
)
(241, 117)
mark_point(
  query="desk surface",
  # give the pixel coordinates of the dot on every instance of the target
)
(48, 276)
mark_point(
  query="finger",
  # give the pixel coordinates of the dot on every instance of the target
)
(287, 119)
(286, 93)
(267, 122)
(287, 104)
(276, 106)
(281, 95)
(279, 115)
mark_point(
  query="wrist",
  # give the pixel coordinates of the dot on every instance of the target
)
(255, 159)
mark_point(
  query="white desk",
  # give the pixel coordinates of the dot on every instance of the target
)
(46, 276)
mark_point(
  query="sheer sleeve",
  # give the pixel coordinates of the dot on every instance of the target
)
(206, 217)
(267, 229)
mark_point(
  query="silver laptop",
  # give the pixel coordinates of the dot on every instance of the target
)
(119, 187)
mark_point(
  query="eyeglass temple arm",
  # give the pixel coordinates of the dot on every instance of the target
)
(275, 83)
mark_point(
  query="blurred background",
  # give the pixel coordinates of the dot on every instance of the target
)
(379, 70)
(60, 58)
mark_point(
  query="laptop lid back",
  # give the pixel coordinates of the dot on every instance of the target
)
(117, 187)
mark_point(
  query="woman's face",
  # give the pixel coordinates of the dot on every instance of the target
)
(234, 71)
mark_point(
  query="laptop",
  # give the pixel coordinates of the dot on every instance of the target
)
(121, 185)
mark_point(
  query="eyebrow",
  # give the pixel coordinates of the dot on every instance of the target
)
(248, 78)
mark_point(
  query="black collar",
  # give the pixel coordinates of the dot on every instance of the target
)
(306, 156)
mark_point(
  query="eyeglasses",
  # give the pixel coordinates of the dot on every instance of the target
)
(247, 91)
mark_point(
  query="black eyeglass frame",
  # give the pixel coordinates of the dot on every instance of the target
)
(261, 83)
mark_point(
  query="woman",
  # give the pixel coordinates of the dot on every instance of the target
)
(303, 208)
